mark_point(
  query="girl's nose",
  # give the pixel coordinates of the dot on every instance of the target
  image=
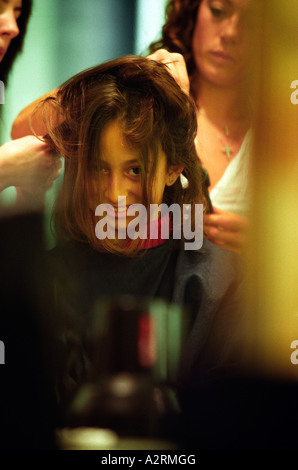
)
(115, 188)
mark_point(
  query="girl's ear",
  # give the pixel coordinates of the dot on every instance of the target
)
(174, 173)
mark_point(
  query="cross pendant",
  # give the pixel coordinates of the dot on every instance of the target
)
(227, 150)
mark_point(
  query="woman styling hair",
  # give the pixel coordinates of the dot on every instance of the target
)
(210, 46)
(26, 162)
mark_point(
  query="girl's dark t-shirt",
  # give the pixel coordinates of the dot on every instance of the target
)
(84, 274)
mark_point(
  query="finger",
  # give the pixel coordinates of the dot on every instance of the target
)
(50, 160)
(230, 240)
(54, 174)
(36, 141)
(56, 162)
(176, 65)
(177, 68)
(57, 173)
(159, 55)
(49, 182)
(227, 221)
(180, 76)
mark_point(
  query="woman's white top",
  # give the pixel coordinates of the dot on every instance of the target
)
(232, 191)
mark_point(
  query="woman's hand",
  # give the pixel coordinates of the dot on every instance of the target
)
(226, 229)
(176, 64)
(29, 164)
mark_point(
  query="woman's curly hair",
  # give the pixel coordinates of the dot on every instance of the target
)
(178, 30)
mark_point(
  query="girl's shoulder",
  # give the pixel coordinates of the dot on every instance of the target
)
(212, 269)
(210, 258)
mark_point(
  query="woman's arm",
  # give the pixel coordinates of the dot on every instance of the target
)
(30, 119)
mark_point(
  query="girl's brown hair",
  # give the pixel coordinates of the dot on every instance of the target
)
(154, 115)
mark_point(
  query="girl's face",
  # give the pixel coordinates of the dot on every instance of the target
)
(120, 173)
(10, 11)
(224, 40)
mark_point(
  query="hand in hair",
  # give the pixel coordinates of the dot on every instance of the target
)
(226, 229)
(29, 164)
(176, 66)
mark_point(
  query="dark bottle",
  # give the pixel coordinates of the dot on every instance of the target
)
(135, 347)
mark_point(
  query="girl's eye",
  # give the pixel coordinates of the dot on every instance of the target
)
(104, 171)
(135, 171)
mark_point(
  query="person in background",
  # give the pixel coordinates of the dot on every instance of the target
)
(210, 46)
(26, 163)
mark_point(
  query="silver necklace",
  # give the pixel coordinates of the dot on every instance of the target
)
(226, 149)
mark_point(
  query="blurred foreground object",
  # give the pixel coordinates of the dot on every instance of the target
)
(27, 406)
(273, 250)
(257, 407)
(135, 347)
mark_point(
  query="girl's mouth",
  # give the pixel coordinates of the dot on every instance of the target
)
(117, 212)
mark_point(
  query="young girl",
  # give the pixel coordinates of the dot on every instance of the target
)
(126, 131)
